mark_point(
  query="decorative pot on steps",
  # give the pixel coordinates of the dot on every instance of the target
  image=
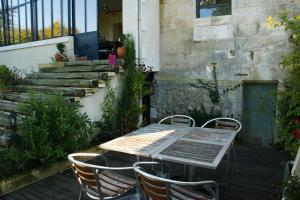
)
(121, 52)
(58, 57)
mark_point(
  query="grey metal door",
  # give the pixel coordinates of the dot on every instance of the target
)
(259, 112)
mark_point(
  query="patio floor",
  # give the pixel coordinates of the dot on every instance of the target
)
(258, 174)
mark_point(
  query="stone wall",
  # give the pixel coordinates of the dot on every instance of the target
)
(242, 45)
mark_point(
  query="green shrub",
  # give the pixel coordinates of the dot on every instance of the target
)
(201, 116)
(132, 89)
(292, 186)
(9, 77)
(289, 100)
(50, 130)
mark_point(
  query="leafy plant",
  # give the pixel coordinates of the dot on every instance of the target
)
(202, 115)
(212, 87)
(289, 100)
(61, 48)
(132, 89)
(108, 124)
(52, 128)
(291, 189)
(9, 76)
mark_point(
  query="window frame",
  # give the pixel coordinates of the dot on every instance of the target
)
(198, 8)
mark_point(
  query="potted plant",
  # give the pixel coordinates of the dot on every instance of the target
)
(121, 50)
(60, 56)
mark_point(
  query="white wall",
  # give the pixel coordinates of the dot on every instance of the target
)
(91, 105)
(149, 49)
(27, 56)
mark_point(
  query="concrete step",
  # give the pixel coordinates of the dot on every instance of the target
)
(96, 68)
(25, 97)
(66, 91)
(7, 137)
(74, 75)
(64, 82)
(5, 119)
(8, 106)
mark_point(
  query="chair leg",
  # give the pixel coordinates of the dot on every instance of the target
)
(227, 169)
(80, 195)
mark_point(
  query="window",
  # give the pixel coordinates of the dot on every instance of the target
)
(208, 8)
(30, 20)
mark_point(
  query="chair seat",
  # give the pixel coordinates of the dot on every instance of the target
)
(180, 193)
(112, 185)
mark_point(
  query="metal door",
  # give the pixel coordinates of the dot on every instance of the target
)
(86, 28)
(259, 112)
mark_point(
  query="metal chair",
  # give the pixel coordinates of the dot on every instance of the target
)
(226, 123)
(100, 182)
(180, 120)
(155, 187)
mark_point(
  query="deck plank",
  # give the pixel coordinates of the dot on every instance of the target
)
(257, 175)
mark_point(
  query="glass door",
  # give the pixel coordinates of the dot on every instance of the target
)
(86, 35)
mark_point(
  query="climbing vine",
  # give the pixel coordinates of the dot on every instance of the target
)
(212, 86)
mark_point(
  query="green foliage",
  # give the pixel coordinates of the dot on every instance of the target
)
(289, 99)
(201, 116)
(50, 130)
(9, 77)
(132, 89)
(292, 186)
(109, 122)
(61, 48)
(212, 86)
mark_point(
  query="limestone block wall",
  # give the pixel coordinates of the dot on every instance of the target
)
(242, 45)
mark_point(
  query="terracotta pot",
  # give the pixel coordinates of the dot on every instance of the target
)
(121, 51)
(81, 58)
(58, 57)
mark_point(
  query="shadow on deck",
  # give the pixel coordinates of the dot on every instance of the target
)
(258, 175)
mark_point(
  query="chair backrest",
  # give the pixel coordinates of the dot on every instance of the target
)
(89, 175)
(159, 188)
(224, 123)
(180, 120)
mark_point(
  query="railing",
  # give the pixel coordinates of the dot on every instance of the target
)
(213, 10)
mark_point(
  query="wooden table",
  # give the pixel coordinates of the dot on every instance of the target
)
(202, 147)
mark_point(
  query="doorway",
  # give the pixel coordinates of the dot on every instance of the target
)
(98, 25)
(110, 27)
(259, 112)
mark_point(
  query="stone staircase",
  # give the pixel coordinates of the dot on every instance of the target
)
(75, 80)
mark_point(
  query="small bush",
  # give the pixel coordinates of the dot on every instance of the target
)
(9, 76)
(50, 130)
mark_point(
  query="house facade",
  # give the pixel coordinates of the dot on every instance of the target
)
(207, 55)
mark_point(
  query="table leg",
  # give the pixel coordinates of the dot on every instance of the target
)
(192, 170)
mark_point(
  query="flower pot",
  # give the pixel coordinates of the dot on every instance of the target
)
(121, 52)
(58, 57)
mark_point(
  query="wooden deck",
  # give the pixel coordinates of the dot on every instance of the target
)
(258, 175)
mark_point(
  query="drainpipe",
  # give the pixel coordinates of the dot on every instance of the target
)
(139, 33)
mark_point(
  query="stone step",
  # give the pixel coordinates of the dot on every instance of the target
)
(64, 82)
(96, 68)
(25, 97)
(8, 106)
(66, 91)
(5, 119)
(7, 137)
(74, 63)
(74, 75)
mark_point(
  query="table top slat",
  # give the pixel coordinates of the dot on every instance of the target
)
(194, 146)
